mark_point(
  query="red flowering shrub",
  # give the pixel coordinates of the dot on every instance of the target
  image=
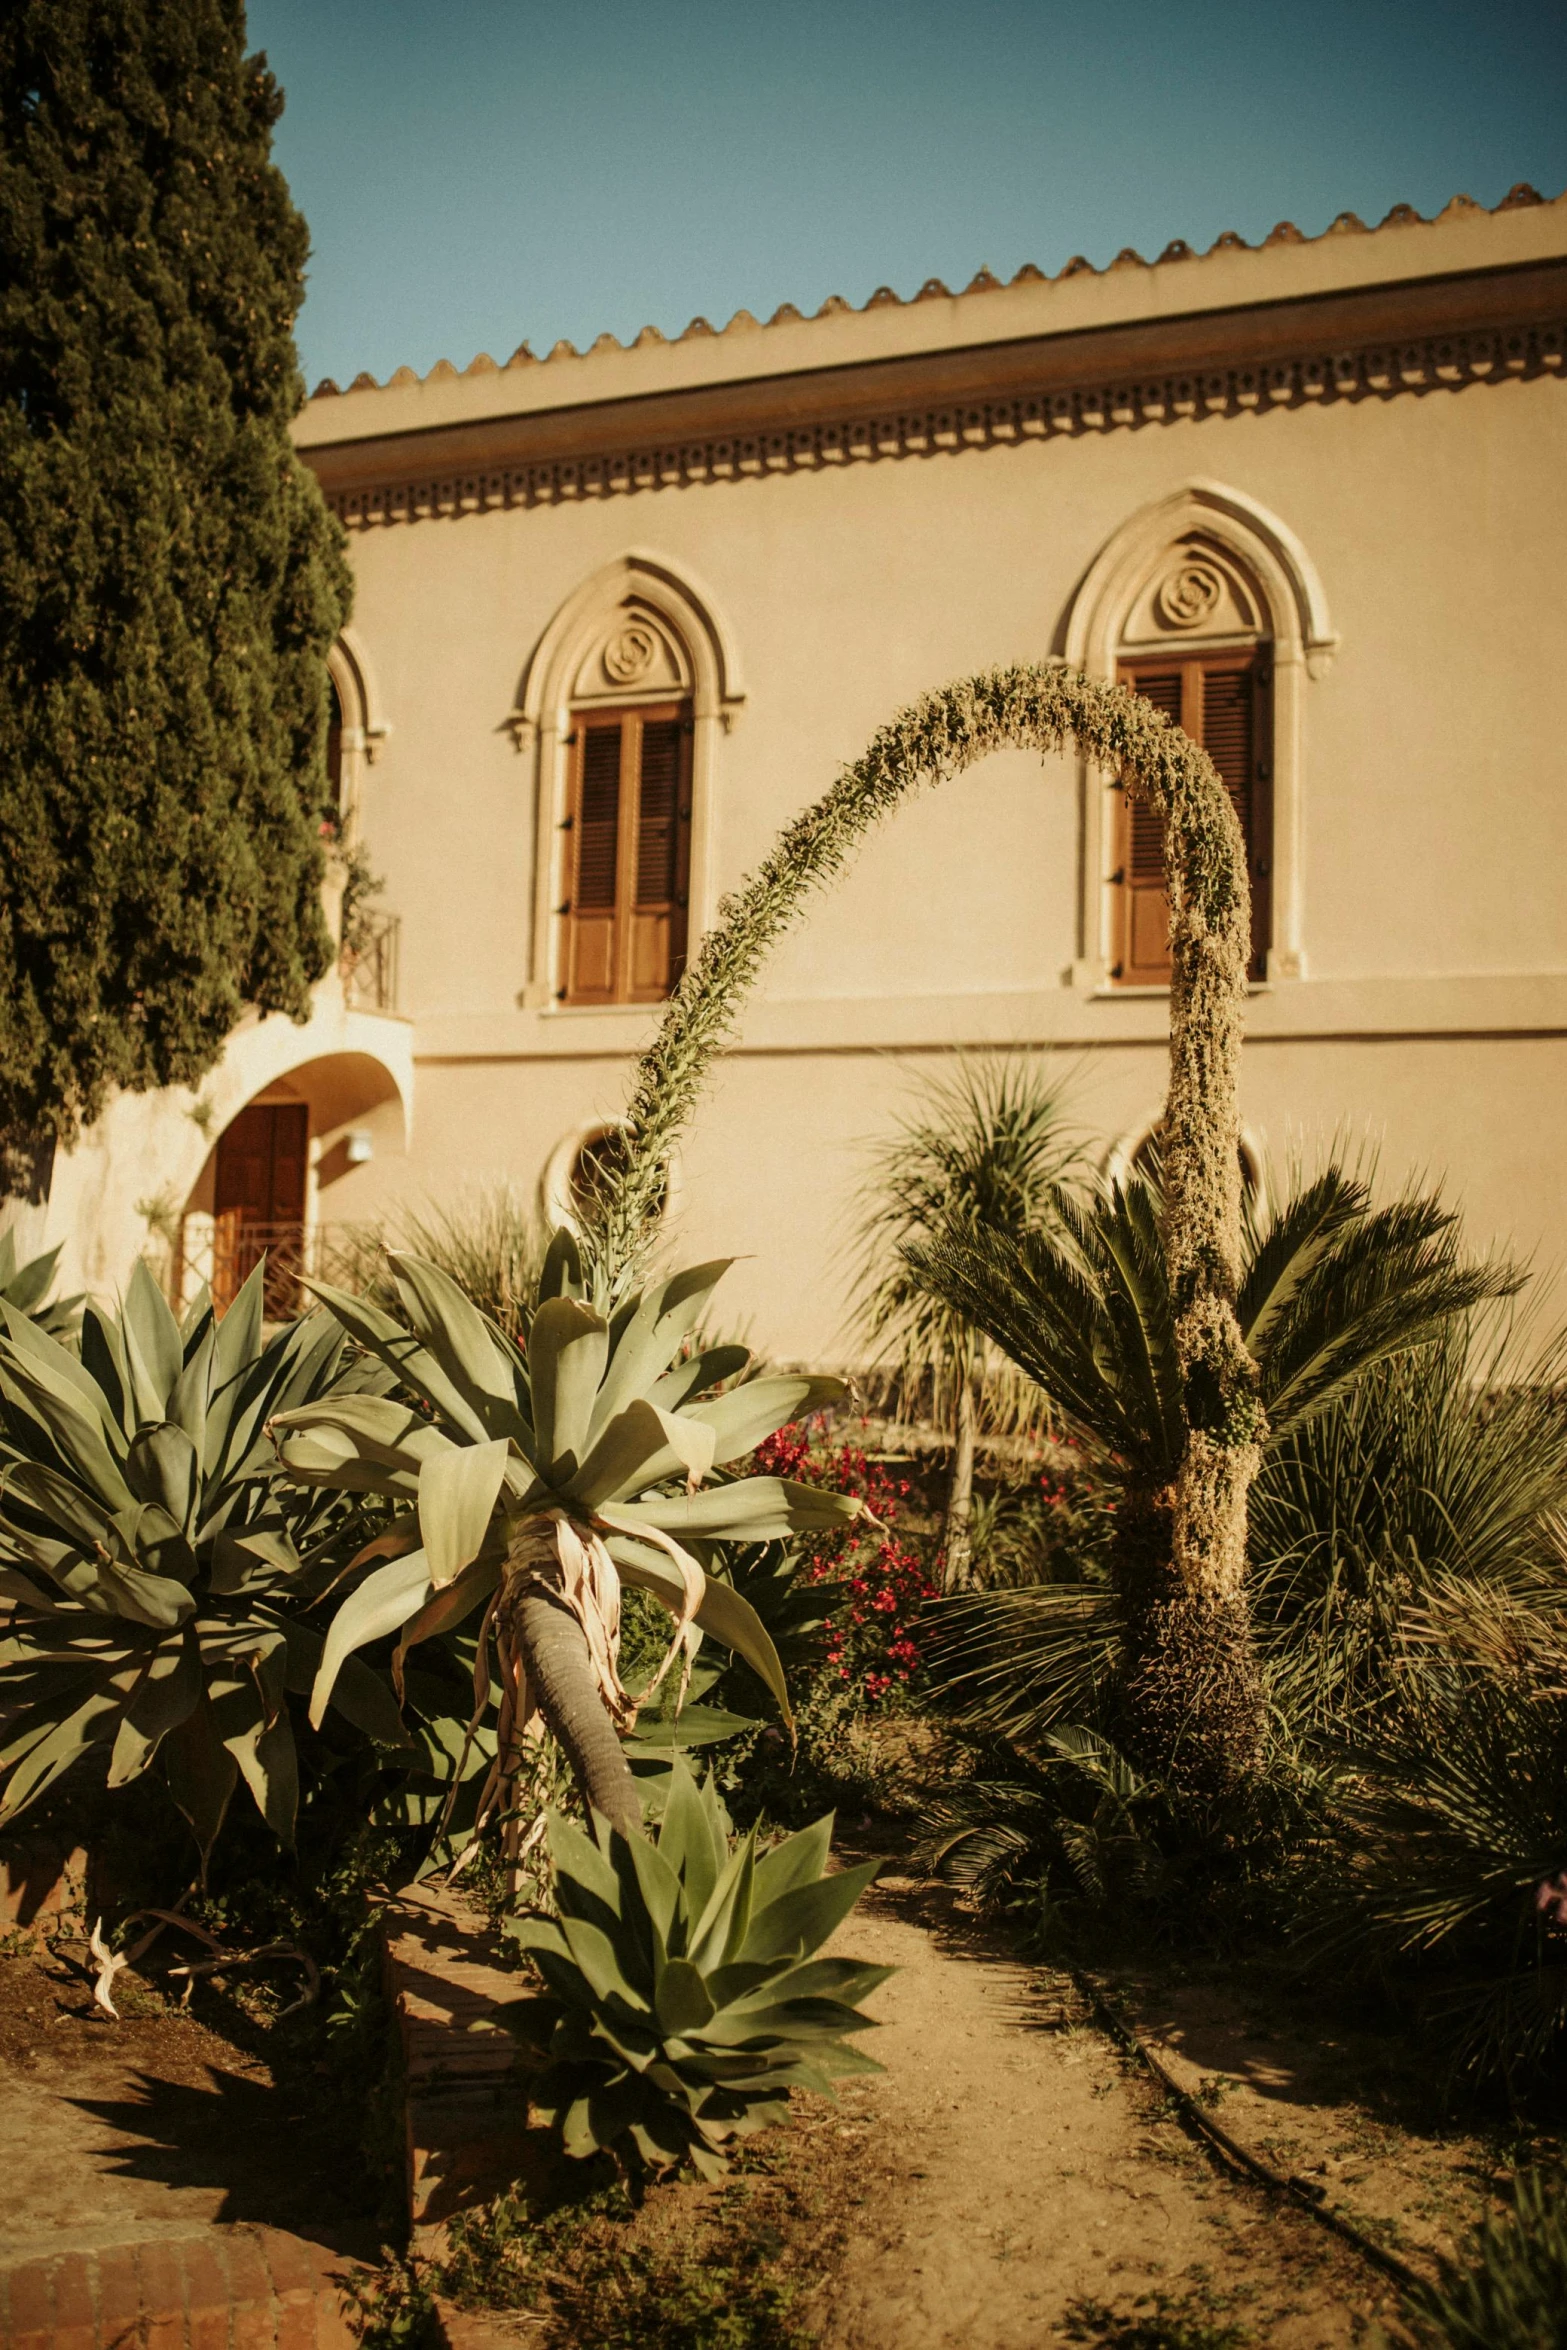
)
(873, 1635)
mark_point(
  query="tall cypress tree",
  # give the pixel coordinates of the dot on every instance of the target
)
(170, 580)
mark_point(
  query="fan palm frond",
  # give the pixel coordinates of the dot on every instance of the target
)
(986, 1147)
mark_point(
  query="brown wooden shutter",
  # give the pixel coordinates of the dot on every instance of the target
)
(626, 913)
(1143, 946)
(1223, 702)
(591, 956)
(659, 908)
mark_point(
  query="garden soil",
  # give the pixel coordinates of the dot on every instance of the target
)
(1006, 2177)
(160, 2124)
(1019, 2170)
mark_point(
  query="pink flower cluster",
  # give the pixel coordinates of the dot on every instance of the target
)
(873, 1637)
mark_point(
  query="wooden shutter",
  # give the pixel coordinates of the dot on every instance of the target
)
(1223, 701)
(630, 860)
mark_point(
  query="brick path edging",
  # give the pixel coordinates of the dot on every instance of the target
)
(224, 2289)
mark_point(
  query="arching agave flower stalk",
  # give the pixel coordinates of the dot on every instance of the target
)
(536, 1479)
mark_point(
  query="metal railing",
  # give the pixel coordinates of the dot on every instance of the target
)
(369, 963)
(223, 1251)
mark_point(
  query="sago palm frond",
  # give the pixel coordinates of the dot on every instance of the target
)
(1018, 1663)
(1083, 1309)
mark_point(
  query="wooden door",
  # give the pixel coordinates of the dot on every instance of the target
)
(258, 1202)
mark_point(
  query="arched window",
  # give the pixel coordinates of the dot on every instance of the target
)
(623, 706)
(580, 1165)
(628, 853)
(335, 779)
(1209, 605)
(355, 728)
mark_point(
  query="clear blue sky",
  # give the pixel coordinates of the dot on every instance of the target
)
(480, 172)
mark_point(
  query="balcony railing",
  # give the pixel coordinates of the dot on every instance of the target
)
(369, 963)
(223, 1251)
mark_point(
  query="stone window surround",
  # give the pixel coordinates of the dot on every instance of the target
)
(1304, 643)
(541, 722)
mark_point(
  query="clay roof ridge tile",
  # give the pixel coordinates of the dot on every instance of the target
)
(1519, 197)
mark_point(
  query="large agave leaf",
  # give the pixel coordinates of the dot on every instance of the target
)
(755, 1509)
(414, 1365)
(458, 1491)
(164, 1467)
(238, 1337)
(359, 1695)
(799, 1860)
(383, 1603)
(722, 1611)
(693, 1839)
(169, 1692)
(639, 1447)
(800, 1920)
(742, 1420)
(468, 1349)
(152, 1343)
(57, 1394)
(568, 1347)
(649, 1339)
(696, 1374)
(63, 1742)
(202, 1775)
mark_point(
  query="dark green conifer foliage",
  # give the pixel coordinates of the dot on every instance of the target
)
(170, 579)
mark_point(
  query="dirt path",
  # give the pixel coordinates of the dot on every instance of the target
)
(1025, 2170)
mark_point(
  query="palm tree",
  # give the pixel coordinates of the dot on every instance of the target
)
(1331, 1286)
(987, 1148)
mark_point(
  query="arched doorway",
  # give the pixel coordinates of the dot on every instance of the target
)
(260, 1178)
(265, 1191)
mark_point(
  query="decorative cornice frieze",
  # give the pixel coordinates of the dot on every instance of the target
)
(1375, 371)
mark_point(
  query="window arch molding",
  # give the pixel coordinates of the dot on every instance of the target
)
(701, 651)
(1295, 609)
(364, 726)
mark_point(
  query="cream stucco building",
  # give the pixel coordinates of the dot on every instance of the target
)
(621, 614)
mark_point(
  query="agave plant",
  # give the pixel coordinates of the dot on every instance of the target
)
(25, 1287)
(150, 1565)
(531, 1479)
(683, 1998)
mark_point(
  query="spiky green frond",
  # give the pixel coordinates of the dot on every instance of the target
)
(1084, 1309)
(25, 1287)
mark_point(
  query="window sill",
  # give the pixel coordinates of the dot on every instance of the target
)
(1111, 992)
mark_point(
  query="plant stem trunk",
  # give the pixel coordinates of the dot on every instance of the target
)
(960, 1489)
(1190, 1700)
(560, 1671)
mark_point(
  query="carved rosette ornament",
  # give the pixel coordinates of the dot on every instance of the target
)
(630, 653)
(1191, 594)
